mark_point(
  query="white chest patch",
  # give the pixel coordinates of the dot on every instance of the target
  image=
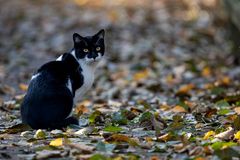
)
(88, 79)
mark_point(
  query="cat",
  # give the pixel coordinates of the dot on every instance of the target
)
(50, 95)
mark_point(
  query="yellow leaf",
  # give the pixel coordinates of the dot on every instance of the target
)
(141, 75)
(40, 134)
(206, 72)
(179, 109)
(237, 110)
(209, 134)
(56, 142)
(237, 136)
(226, 80)
(23, 87)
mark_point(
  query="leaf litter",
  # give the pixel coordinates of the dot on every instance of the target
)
(166, 89)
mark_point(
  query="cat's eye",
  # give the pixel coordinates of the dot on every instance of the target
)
(98, 49)
(85, 50)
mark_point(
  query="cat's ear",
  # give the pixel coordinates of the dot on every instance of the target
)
(77, 38)
(100, 34)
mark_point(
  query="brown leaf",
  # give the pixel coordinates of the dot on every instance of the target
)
(154, 158)
(179, 109)
(185, 89)
(210, 112)
(80, 109)
(121, 138)
(17, 128)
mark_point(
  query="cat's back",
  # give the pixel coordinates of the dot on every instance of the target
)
(50, 81)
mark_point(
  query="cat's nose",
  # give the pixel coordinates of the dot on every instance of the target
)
(95, 56)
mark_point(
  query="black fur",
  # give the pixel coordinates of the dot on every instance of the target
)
(90, 43)
(48, 101)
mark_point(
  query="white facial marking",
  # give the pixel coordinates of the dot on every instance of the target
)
(35, 76)
(99, 56)
(91, 60)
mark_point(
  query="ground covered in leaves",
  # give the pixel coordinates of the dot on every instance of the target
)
(166, 89)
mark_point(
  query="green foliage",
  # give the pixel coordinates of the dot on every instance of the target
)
(112, 129)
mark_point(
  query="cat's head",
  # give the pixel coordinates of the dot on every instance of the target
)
(89, 49)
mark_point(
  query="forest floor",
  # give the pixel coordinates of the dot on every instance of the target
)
(167, 88)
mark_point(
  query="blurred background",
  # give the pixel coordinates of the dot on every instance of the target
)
(152, 45)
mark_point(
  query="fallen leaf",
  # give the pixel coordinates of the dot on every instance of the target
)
(185, 88)
(46, 154)
(94, 116)
(166, 137)
(40, 134)
(179, 109)
(209, 134)
(227, 152)
(98, 157)
(112, 129)
(141, 75)
(85, 131)
(237, 136)
(119, 118)
(222, 104)
(80, 109)
(221, 145)
(198, 150)
(206, 72)
(237, 110)
(121, 138)
(82, 147)
(16, 128)
(23, 87)
(200, 158)
(56, 142)
(154, 158)
(225, 80)
(105, 147)
(236, 123)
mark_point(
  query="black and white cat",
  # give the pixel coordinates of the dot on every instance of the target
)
(49, 99)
